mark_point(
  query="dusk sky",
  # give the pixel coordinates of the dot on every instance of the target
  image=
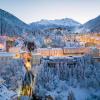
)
(35, 10)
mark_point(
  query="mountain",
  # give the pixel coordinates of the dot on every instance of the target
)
(11, 25)
(63, 22)
(46, 24)
(93, 25)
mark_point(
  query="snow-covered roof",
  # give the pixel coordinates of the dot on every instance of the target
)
(6, 54)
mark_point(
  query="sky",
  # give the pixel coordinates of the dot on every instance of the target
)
(34, 10)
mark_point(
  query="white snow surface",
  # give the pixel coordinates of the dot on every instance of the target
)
(6, 94)
(63, 22)
(76, 74)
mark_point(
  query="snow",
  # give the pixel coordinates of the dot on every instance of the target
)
(6, 54)
(12, 26)
(74, 75)
(81, 30)
(72, 44)
(63, 22)
(64, 57)
(62, 91)
(80, 94)
(12, 71)
(6, 94)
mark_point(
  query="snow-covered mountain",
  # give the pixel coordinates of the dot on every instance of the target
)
(63, 22)
(11, 25)
(46, 24)
(92, 25)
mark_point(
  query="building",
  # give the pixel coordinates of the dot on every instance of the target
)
(9, 44)
(16, 51)
(63, 51)
(76, 51)
(94, 52)
(5, 56)
(2, 44)
(50, 51)
(36, 58)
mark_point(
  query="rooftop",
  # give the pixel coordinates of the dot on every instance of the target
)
(6, 54)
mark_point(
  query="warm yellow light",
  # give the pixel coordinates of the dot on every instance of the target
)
(1, 46)
(26, 91)
(27, 56)
(28, 65)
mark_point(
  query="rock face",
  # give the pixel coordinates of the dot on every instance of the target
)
(56, 75)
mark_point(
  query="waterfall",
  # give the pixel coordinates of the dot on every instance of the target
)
(28, 79)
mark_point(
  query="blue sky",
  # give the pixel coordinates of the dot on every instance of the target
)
(35, 10)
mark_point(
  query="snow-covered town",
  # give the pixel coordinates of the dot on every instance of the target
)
(58, 73)
(54, 59)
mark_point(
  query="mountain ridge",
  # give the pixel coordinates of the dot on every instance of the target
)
(11, 25)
